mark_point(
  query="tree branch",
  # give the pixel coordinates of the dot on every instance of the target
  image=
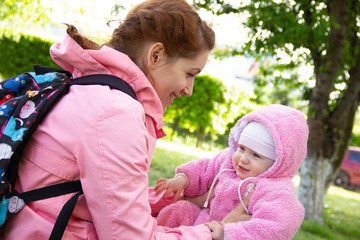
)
(336, 41)
(331, 62)
(316, 55)
(353, 87)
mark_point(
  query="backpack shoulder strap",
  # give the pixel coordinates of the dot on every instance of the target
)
(74, 186)
(99, 79)
(66, 211)
(106, 80)
(51, 191)
(64, 217)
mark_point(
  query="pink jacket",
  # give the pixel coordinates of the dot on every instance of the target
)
(276, 212)
(104, 138)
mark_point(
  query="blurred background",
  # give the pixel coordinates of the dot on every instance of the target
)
(300, 53)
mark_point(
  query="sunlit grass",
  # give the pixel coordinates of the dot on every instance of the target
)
(341, 209)
(341, 215)
(168, 156)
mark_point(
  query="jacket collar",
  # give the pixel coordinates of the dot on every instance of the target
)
(73, 58)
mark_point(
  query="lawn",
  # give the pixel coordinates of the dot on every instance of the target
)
(341, 210)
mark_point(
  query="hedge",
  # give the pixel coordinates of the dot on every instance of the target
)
(19, 54)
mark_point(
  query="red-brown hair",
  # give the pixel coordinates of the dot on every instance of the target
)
(174, 23)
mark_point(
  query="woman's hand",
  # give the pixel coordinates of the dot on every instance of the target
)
(200, 200)
(173, 185)
(239, 214)
(217, 229)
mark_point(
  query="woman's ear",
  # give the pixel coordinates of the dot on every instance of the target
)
(156, 55)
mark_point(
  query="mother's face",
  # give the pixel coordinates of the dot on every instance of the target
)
(171, 79)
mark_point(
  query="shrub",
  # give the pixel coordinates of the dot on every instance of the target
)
(19, 54)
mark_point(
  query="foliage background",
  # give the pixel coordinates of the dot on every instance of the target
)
(19, 53)
(274, 83)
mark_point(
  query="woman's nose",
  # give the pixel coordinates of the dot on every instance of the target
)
(188, 90)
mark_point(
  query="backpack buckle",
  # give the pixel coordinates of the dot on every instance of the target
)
(15, 204)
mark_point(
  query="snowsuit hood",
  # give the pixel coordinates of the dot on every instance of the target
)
(289, 130)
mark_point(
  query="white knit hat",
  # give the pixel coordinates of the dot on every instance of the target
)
(256, 137)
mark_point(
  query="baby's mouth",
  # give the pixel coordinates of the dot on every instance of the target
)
(242, 168)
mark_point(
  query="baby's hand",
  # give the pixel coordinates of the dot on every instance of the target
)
(217, 229)
(173, 185)
(160, 185)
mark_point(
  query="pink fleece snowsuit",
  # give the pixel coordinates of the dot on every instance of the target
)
(276, 212)
(104, 138)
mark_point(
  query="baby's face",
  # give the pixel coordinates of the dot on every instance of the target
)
(249, 163)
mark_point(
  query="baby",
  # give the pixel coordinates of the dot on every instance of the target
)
(266, 148)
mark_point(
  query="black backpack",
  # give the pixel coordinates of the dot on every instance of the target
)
(25, 101)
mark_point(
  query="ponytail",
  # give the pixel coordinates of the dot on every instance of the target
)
(84, 42)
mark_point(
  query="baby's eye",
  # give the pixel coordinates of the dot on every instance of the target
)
(256, 155)
(241, 148)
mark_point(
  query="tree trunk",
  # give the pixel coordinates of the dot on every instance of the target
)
(201, 137)
(313, 174)
(175, 127)
(328, 125)
(327, 147)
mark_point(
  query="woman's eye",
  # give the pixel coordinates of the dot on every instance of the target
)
(191, 75)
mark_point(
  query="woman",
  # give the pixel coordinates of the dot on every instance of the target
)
(105, 138)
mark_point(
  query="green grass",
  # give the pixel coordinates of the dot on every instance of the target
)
(341, 218)
(165, 161)
(341, 209)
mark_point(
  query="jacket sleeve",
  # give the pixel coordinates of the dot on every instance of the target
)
(276, 214)
(201, 173)
(113, 161)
